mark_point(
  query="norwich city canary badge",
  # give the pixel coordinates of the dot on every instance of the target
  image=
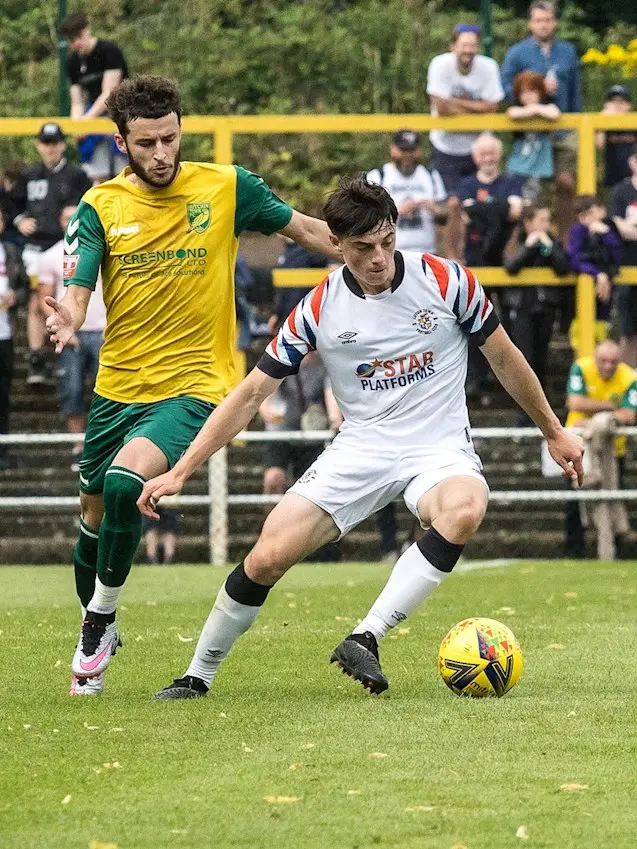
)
(198, 215)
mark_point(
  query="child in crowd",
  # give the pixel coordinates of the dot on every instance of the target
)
(533, 308)
(594, 247)
(161, 536)
(532, 152)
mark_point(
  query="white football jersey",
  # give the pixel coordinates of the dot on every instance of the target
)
(397, 359)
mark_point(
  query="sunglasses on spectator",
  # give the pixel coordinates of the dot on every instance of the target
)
(474, 28)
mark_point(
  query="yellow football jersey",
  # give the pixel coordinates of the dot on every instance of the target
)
(585, 379)
(167, 258)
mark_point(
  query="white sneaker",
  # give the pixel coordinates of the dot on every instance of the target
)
(87, 686)
(97, 644)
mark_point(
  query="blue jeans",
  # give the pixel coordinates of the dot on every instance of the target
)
(74, 366)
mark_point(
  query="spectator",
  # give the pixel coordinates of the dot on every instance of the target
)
(533, 308)
(8, 211)
(460, 82)
(616, 144)
(293, 256)
(491, 205)
(14, 288)
(532, 153)
(597, 384)
(594, 247)
(80, 359)
(40, 194)
(418, 193)
(162, 535)
(95, 68)
(623, 209)
(558, 63)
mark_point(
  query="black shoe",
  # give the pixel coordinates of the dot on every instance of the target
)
(187, 687)
(37, 369)
(357, 656)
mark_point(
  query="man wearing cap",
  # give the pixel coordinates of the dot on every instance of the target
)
(419, 193)
(40, 194)
(460, 82)
(616, 144)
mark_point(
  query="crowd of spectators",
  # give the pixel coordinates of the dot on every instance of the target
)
(468, 202)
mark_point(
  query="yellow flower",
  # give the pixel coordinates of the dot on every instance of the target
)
(595, 57)
(616, 54)
(632, 45)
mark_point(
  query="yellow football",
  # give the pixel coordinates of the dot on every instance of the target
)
(480, 657)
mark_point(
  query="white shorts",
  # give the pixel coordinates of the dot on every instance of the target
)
(354, 477)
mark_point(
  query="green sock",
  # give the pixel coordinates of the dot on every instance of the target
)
(121, 528)
(85, 562)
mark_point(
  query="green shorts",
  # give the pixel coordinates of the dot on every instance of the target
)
(171, 425)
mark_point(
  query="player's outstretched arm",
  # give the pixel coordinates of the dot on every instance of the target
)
(312, 234)
(519, 380)
(67, 316)
(227, 420)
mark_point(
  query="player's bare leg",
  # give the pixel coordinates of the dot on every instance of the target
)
(453, 509)
(293, 529)
(118, 538)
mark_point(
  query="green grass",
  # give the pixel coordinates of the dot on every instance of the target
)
(195, 774)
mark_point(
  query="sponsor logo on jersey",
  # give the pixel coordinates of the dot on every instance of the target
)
(181, 262)
(425, 321)
(198, 215)
(399, 372)
(347, 338)
(69, 266)
(126, 230)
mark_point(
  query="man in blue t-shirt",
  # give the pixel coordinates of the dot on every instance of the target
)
(491, 203)
(558, 63)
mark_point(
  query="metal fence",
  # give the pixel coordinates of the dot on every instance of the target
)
(219, 500)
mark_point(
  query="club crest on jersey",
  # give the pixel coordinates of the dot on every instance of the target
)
(198, 215)
(425, 321)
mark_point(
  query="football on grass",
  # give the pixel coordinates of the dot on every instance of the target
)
(480, 657)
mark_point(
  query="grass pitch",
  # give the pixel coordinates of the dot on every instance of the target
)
(287, 752)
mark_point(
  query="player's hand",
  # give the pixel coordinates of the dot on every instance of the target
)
(167, 484)
(59, 325)
(567, 449)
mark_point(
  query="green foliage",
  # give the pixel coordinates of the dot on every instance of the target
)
(272, 56)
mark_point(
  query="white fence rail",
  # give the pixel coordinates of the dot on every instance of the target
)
(218, 499)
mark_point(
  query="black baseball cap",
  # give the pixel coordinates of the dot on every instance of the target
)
(407, 139)
(51, 133)
(619, 91)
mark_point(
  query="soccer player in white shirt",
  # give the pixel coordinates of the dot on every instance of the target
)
(392, 329)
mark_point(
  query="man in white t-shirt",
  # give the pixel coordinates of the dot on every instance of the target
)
(80, 358)
(460, 82)
(393, 330)
(419, 193)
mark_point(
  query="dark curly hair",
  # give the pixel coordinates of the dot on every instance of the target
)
(358, 207)
(142, 97)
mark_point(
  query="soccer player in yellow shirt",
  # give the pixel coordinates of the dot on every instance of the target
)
(165, 234)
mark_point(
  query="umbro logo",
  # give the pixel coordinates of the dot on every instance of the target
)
(348, 337)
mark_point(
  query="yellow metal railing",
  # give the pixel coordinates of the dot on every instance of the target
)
(224, 128)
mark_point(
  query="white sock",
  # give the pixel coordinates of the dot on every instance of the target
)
(228, 619)
(83, 609)
(104, 598)
(413, 579)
